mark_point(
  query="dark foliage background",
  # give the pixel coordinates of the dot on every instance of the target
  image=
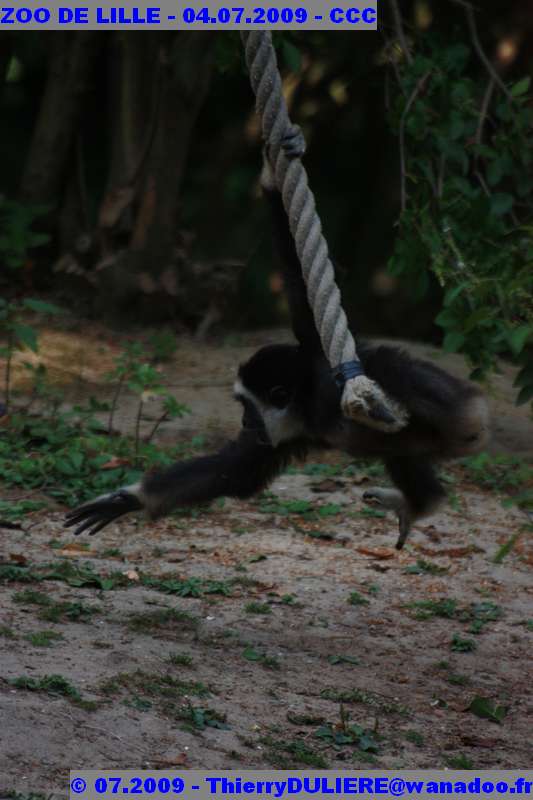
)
(130, 162)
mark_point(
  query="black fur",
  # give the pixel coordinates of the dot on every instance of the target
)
(292, 403)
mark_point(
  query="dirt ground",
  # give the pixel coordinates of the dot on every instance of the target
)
(302, 643)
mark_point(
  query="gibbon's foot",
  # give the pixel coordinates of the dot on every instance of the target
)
(95, 515)
(392, 500)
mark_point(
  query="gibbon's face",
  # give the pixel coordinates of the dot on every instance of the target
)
(266, 386)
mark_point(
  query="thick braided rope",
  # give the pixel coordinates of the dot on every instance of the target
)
(362, 398)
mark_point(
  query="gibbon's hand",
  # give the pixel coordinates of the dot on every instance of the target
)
(96, 514)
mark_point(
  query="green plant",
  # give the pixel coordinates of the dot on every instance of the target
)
(50, 684)
(487, 709)
(460, 645)
(44, 638)
(70, 456)
(467, 201)
(255, 607)
(18, 334)
(507, 474)
(356, 599)
(133, 370)
(17, 236)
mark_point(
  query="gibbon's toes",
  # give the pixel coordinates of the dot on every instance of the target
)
(293, 143)
(93, 516)
(404, 527)
(392, 500)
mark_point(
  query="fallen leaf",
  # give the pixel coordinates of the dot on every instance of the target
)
(115, 462)
(18, 558)
(74, 547)
(381, 553)
(179, 760)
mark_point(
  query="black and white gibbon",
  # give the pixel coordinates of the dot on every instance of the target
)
(291, 405)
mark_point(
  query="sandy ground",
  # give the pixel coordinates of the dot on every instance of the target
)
(303, 646)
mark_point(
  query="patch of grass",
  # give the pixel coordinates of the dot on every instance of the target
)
(200, 718)
(112, 552)
(510, 475)
(459, 762)
(479, 614)
(291, 753)
(285, 507)
(356, 599)
(426, 609)
(251, 654)
(164, 619)
(31, 597)
(505, 549)
(180, 659)
(7, 633)
(310, 511)
(415, 738)
(348, 734)
(44, 638)
(322, 470)
(75, 612)
(77, 575)
(457, 679)
(482, 613)
(257, 608)
(460, 645)
(153, 685)
(368, 511)
(372, 699)
(423, 567)
(138, 703)
(16, 510)
(187, 587)
(289, 600)
(50, 684)
(56, 611)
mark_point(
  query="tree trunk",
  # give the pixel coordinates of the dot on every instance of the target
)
(71, 57)
(151, 144)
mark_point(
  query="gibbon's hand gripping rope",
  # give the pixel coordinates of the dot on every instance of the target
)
(362, 400)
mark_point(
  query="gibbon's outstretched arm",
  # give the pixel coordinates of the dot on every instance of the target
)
(240, 469)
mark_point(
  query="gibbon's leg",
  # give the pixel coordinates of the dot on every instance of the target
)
(418, 494)
(240, 469)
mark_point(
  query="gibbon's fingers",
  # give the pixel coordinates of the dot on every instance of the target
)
(94, 516)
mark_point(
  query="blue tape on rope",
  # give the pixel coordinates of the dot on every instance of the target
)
(344, 372)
